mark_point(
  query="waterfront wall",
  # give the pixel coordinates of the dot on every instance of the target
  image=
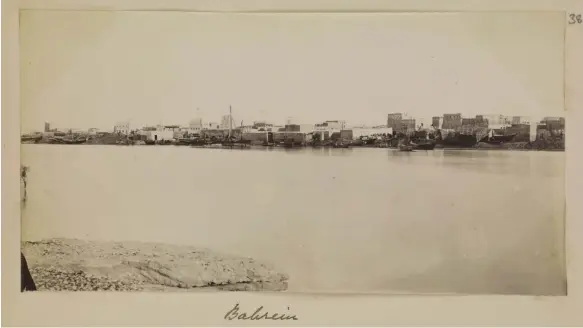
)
(255, 136)
(346, 135)
(298, 137)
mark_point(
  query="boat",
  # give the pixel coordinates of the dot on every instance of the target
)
(382, 144)
(198, 142)
(235, 144)
(405, 147)
(497, 137)
(340, 145)
(183, 141)
(322, 143)
(74, 140)
(288, 143)
(457, 139)
(422, 141)
(424, 145)
(230, 141)
(56, 140)
(31, 138)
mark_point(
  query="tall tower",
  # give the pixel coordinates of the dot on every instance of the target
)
(47, 127)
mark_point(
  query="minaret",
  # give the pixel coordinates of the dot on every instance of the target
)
(230, 120)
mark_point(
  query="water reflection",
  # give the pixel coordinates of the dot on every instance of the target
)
(549, 164)
(464, 153)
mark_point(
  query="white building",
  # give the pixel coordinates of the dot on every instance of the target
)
(159, 135)
(212, 126)
(173, 128)
(122, 128)
(330, 126)
(195, 126)
(498, 121)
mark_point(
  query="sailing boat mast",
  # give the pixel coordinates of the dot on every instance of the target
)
(230, 121)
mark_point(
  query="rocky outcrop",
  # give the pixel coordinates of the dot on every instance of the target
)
(71, 264)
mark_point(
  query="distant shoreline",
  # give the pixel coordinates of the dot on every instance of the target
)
(507, 147)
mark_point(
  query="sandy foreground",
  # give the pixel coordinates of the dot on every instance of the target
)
(77, 265)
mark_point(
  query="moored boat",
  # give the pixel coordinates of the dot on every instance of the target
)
(424, 145)
(183, 141)
(405, 148)
(74, 140)
(495, 137)
(340, 144)
(405, 144)
(457, 139)
(31, 138)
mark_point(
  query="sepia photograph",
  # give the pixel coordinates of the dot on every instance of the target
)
(329, 153)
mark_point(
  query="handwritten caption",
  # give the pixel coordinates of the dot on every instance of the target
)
(259, 314)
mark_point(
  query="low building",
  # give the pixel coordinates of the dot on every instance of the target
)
(321, 135)
(195, 126)
(346, 135)
(304, 128)
(159, 135)
(195, 123)
(329, 127)
(262, 126)
(173, 128)
(221, 133)
(296, 136)
(122, 128)
(211, 126)
(255, 136)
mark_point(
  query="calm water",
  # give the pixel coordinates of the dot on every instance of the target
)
(335, 220)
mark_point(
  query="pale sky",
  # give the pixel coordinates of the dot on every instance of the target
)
(93, 69)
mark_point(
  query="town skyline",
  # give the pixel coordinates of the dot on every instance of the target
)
(220, 124)
(161, 67)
